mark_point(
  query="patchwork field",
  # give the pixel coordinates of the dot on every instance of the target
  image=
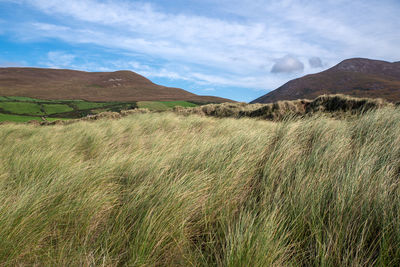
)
(22, 109)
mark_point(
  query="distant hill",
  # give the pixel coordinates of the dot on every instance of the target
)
(357, 77)
(91, 86)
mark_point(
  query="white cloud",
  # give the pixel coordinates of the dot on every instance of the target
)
(346, 28)
(287, 64)
(225, 44)
(237, 48)
(183, 73)
(58, 59)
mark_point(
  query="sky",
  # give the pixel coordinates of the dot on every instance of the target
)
(238, 49)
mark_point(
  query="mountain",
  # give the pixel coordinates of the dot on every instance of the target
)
(91, 86)
(357, 77)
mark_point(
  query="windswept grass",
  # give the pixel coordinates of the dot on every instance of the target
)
(336, 105)
(168, 190)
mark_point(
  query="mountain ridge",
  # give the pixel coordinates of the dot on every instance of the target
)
(358, 77)
(68, 84)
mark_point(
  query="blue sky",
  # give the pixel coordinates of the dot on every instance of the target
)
(240, 49)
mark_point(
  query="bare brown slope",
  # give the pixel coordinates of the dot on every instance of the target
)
(355, 77)
(91, 86)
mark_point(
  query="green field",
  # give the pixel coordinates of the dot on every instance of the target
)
(163, 105)
(16, 105)
(17, 118)
(56, 108)
(22, 108)
(21, 118)
(160, 189)
(89, 105)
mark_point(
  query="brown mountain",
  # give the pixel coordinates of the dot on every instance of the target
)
(357, 77)
(91, 86)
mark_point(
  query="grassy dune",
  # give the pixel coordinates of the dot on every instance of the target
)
(168, 190)
(334, 105)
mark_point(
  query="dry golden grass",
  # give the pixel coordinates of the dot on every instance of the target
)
(336, 105)
(158, 189)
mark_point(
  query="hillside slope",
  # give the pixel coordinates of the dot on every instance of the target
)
(357, 77)
(91, 86)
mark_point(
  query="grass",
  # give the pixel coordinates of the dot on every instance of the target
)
(22, 108)
(56, 108)
(89, 105)
(17, 118)
(164, 105)
(100, 110)
(172, 104)
(57, 119)
(335, 105)
(15, 105)
(159, 189)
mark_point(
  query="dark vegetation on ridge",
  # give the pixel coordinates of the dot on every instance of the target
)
(356, 77)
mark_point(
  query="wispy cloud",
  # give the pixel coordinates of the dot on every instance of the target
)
(58, 59)
(235, 45)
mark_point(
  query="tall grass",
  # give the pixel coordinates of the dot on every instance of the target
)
(335, 105)
(168, 190)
